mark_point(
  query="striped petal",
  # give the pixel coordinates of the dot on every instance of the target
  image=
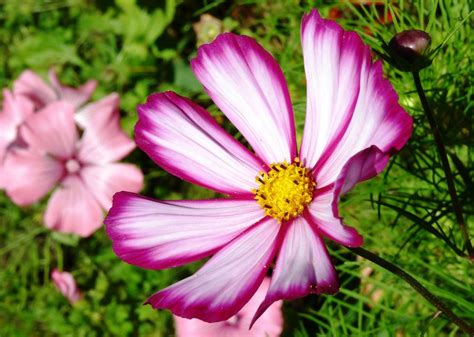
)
(227, 281)
(162, 234)
(323, 210)
(333, 60)
(303, 266)
(350, 105)
(182, 137)
(249, 87)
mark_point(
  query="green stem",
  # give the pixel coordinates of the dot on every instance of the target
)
(415, 285)
(445, 162)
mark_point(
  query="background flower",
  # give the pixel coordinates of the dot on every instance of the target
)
(84, 168)
(66, 284)
(32, 86)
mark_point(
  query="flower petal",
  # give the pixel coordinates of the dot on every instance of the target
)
(66, 284)
(73, 209)
(74, 96)
(351, 106)
(105, 180)
(93, 114)
(182, 137)
(323, 210)
(30, 175)
(227, 281)
(329, 223)
(247, 84)
(162, 234)
(103, 140)
(52, 130)
(362, 166)
(29, 84)
(15, 110)
(269, 325)
(303, 266)
(333, 60)
(378, 121)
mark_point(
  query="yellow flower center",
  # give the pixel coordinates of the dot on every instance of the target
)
(285, 190)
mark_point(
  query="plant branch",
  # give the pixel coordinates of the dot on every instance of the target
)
(445, 162)
(415, 285)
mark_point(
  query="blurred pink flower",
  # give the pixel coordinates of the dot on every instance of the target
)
(270, 323)
(31, 85)
(30, 94)
(283, 200)
(66, 284)
(84, 169)
(15, 110)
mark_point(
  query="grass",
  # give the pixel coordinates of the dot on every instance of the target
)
(405, 215)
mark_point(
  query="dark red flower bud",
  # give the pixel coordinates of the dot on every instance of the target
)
(409, 49)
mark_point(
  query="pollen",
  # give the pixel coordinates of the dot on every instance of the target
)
(285, 190)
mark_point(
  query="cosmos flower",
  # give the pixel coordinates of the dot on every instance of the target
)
(66, 284)
(282, 201)
(269, 325)
(83, 169)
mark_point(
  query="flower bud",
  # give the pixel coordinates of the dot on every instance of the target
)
(207, 28)
(408, 50)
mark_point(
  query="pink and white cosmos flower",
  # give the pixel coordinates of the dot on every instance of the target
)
(66, 284)
(83, 169)
(270, 323)
(282, 201)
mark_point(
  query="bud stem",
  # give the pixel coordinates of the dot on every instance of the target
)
(415, 285)
(445, 162)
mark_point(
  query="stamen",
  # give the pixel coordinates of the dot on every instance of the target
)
(285, 191)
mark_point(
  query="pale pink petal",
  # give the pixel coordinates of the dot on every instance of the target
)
(29, 84)
(52, 130)
(247, 84)
(182, 137)
(30, 175)
(323, 210)
(103, 181)
(93, 114)
(66, 284)
(350, 105)
(227, 281)
(162, 234)
(15, 111)
(73, 209)
(103, 140)
(270, 323)
(333, 60)
(3, 181)
(303, 266)
(74, 96)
